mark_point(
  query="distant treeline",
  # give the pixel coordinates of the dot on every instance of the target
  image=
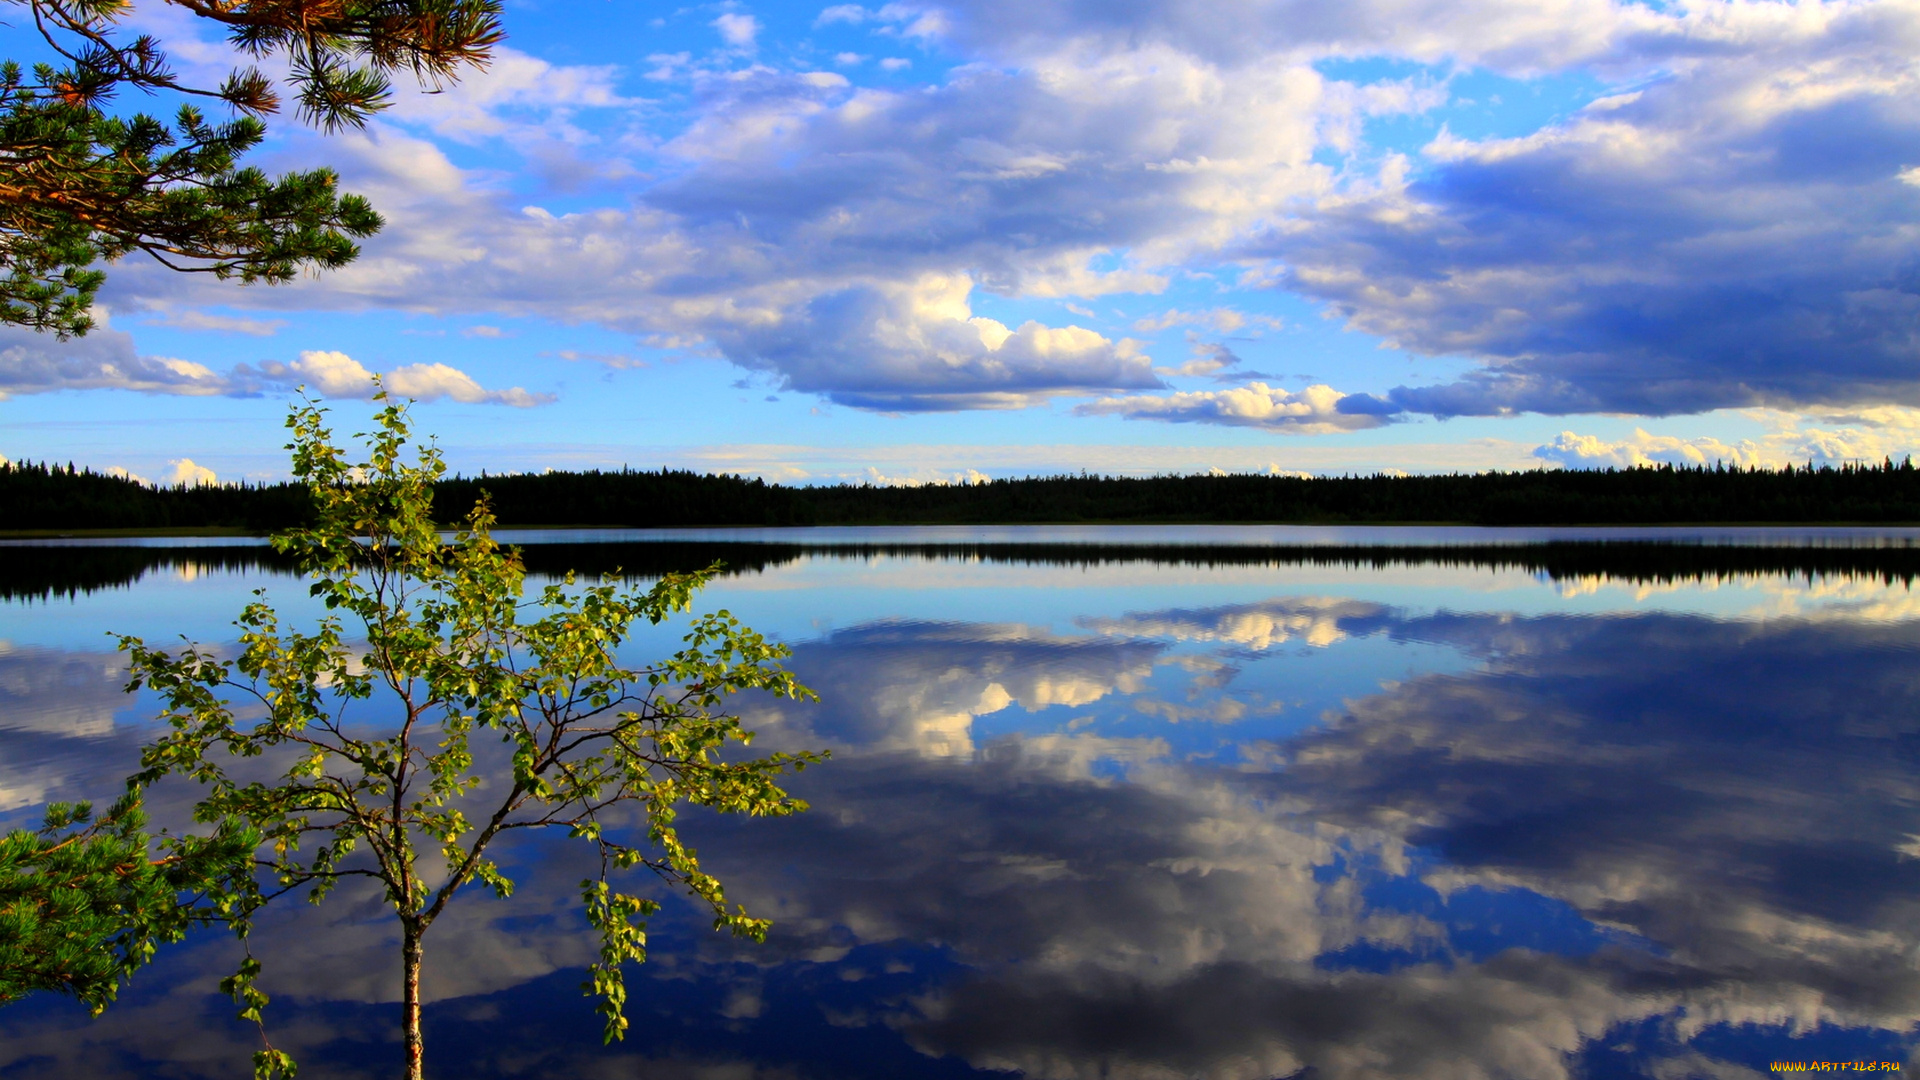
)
(43, 496)
(39, 496)
(47, 573)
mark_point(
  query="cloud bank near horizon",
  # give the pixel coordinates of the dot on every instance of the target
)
(33, 363)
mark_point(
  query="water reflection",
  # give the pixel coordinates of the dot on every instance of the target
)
(45, 570)
(1294, 833)
(1615, 821)
(56, 710)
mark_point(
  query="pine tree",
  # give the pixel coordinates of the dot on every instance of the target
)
(82, 185)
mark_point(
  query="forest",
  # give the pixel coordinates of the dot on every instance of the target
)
(62, 498)
(42, 574)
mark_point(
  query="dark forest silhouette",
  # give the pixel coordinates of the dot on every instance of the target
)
(48, 573)
(48, 497)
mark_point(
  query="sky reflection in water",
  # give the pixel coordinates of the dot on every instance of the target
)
(1139, 819)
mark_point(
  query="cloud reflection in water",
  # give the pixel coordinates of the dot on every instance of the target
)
(1647, 843)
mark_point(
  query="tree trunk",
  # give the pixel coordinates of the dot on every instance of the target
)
(410, 952)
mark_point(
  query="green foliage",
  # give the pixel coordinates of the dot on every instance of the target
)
(80, 185)
(363, 725)
(85, 901)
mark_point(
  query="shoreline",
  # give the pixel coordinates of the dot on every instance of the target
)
(234, 532)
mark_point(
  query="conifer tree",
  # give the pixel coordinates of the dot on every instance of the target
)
(81, 184)
(85, 901)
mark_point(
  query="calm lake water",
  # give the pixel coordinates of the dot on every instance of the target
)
(1241, 803)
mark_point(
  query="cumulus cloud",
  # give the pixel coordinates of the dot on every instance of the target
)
(928, 478)
(335, 374)
(32, 363)
(1734, 234)
(1820, 437)
(1316, 410)
(179, 471)
(1587, 452)
(1733, 230)
(919, 347)
(184, 471)
(793, 232)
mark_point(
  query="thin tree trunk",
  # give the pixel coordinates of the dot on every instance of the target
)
(410, 952)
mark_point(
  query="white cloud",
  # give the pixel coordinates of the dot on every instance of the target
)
(335, 374)
(1821, 437)
(925, 478)
(917, 346)
(1588, 452)
(737, 30)
(332, 373)
(179, 471)
(896, 63)
(185, 471)
(1316, 410)
(426, 382)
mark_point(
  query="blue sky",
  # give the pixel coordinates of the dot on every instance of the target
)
(924, 241)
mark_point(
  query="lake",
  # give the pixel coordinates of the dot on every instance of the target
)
(1137, 803)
